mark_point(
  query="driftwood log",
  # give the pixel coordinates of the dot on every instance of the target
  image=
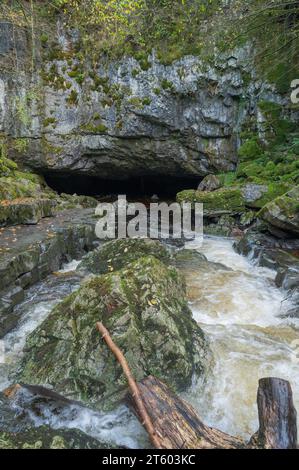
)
(277, 415)
(173, 423)
(177, 422)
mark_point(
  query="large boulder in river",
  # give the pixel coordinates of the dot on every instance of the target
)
(116, 254)
(283, 212)
(144, 307)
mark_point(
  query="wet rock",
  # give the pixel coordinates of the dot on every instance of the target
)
(144, 307)
(209, 183)
(116, 254)
(279, 255)
(28, 254)
(23, 406)
(25, 211)
(283, 212)
(258, 239)
(18, 432)
(44, 437)
(247, 218)
(222, 226)
(189, 258)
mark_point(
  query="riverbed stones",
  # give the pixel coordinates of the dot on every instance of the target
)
(144, 307)
(116, 254)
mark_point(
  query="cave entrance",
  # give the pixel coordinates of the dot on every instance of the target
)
(165, 187)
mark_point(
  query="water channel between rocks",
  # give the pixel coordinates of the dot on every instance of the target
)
(240, 310)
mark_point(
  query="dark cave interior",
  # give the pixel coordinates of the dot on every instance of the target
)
(142, 186)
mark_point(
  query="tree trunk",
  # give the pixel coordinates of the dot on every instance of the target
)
(277, 415)
(176, 422)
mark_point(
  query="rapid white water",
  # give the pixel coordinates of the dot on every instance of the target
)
(240, 311)
(39, 301)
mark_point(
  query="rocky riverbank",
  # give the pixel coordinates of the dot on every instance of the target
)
(29, 253)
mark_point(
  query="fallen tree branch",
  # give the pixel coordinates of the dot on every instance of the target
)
(145, 419)
(177, 422)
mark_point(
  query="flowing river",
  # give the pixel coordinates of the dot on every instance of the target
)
(241, 311)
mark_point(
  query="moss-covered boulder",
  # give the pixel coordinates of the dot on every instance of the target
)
(72, 201)
(283, 212)
(144, 307)
(25, 211)
(44, 437)
(258, 195)
(116, 254)
(209, 183)
(23, 185)
(221, 201)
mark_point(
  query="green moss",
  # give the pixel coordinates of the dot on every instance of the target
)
(250, 149)
(274, 190)
(135, 73)
(72, 99)
(281, 74)
(48, 121)
(227, 179)
(44, 38)
(166, 84)
(94, 128)
(157, 91)
(7, 166)
(277, 127)
(146, 101)
(136, 102)
(20, 144)
(222, 200)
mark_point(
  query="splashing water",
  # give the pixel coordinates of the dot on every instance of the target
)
(240, 310)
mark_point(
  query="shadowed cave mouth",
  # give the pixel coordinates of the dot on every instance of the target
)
(142, 186)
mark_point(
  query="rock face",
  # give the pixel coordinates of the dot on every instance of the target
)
(283, 213)
(121, 119)
(144, 307)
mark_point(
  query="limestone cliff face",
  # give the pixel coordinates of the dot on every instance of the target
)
(121, 119)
